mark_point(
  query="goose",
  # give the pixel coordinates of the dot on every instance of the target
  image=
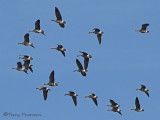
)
(143, 29)
(19, 67)
(26, 41)
(25, 57)
(99, 34)
(94, 98)
(37, 28)
(74, 97)
(144, 89)
(27, 65)
(80, 68)
(114, 104)
(51, 80)
(115, 109)
(45, 91)
(138, 109)
(59, 18)
(60, 48)
(86, 59)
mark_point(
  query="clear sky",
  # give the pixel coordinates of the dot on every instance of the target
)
(125, 59)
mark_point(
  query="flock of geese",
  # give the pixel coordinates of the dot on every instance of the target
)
(27, 59)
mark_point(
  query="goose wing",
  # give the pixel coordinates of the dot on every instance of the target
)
(137, 103)
(99, 38)
(37, 25)
(58, 15)
(26, 38)
(51, 77)
(144, 26)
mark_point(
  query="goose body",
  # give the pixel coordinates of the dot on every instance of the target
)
(144, 89)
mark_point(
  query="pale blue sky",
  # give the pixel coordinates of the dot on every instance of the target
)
(125, 59)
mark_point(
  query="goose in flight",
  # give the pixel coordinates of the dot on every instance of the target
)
(60, 48)
(143, 29)
(37, 28)
(99, 34)
(26, 41)
(59, 18)
(45, 91)
(74, 97)
(144, 89)
(19, 67)
(51, 80)
(138, 109)
(94, 98)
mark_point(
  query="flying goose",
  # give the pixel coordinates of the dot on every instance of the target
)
(94, 98)
(51, 80)
(143, 29)
(26, 41)
(74, 97)
(19, 67)
(144, 89)
(138, 109)
(37, 28)
(60, 48)
(59, 18)
(45, 91)
(99, 34)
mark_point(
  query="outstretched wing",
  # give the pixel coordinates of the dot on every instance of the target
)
(74, 100)
(45, 94)
(147, 93)
(143, 86)
(113, 103)
(144, 26)
(137, 103)
(51, 77)
(26, 38)
(86, 61)
(99, 38)
(95, 101)
(19, 65)
(37, 25)
(63, 53)
(96, 29)
(58, 15)
(79, 64)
